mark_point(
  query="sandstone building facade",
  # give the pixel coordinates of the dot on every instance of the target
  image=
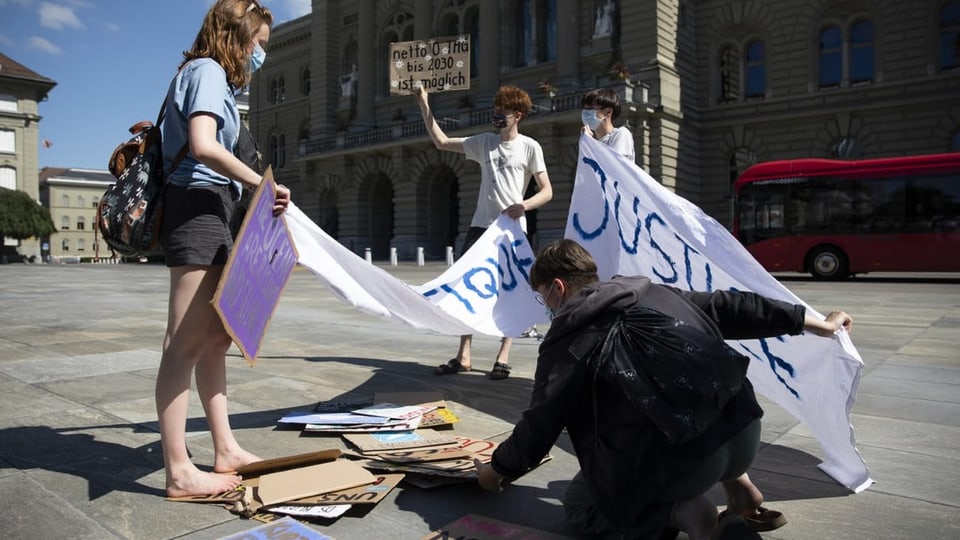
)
(710, 87)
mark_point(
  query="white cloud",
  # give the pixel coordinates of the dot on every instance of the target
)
(58, 17)
(41, 44)
(5, 40)
(113, 27)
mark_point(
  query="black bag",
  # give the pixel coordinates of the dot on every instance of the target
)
(679, 377)
(247, 151)
(128, 216)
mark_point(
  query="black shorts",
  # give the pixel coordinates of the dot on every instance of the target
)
(196, 225)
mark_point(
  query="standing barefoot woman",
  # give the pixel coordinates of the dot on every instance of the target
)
(201, 113)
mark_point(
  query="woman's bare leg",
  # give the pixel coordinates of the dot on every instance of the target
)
(187, 317)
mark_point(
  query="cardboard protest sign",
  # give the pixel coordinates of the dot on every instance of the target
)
(259, 266)
(440, 64)
(386, 442)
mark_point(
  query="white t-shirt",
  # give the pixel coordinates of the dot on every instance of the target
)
(621, 140)
(505, 171)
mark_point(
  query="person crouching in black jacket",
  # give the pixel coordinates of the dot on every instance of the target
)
(635, 480)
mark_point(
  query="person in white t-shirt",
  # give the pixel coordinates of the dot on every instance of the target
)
(598, 109)
(507, 162)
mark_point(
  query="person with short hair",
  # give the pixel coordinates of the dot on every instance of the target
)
(199, 199)
(508, 159)
(598, 109)
(635, 480)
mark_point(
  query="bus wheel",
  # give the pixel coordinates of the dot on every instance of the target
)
(827, 262)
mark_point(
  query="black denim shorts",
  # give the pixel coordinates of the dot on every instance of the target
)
(196, 225)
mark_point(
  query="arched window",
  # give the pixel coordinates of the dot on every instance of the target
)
(471, 26)
(755, 69)
(534, 32)
(65, 200)
(522, 33)
(847, 53)
(65, 245)
(729, 74)
(278, 91)
(65, 223)
(81, 244)
(305, 81)
(950, 35)
(81, 201)
(831, 56)
(861, 52)
(399, 27)
(81, 223)
(278, 152)
(846, 148)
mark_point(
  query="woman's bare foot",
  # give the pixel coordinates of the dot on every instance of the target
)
(189, 480)
(743, 497)
(697, 517)
(229, 462)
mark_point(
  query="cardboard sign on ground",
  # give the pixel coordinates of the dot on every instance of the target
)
(387, 442)
(477, 527)
(366, 494)
(281, 487)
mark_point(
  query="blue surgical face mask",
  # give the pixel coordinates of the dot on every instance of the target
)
(256, 60)
(590, 118)
(547, 310)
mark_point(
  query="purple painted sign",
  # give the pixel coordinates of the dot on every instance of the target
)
(256, 272)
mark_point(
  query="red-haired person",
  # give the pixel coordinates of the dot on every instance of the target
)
(507, 161)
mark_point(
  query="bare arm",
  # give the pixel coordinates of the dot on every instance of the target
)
(207, 150)
(834, 321)
(541, 197)
(439, 138)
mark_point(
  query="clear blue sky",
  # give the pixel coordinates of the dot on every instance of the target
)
(112, 61)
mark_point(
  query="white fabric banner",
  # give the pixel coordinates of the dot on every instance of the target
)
(487, 291)
(632, 225)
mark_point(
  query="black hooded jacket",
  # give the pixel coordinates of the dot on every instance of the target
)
(625, 460)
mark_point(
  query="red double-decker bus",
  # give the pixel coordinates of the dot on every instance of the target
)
(837, 218)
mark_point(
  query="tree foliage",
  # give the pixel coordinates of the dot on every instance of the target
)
(22, 217)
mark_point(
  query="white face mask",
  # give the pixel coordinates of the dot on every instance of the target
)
(547, 310)
(590, 118)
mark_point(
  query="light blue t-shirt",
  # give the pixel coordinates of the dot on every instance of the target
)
(201, 86)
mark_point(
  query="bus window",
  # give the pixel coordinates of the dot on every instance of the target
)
(882, 204)
(762, 212)
(935, 204)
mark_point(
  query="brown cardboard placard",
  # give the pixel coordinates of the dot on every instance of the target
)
(284, 486)
(477, 527)
(366, 494)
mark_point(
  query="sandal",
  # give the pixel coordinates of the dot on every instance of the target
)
(762, 520)
(500, 371)
(451, 367)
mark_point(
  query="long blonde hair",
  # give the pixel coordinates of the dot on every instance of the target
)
(226, 35)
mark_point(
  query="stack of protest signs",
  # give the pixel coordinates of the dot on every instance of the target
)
(309, 486)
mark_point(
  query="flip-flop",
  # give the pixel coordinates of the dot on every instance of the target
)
(451, 367)
(762, 520)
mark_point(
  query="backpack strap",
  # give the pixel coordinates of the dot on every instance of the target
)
(183, 151)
